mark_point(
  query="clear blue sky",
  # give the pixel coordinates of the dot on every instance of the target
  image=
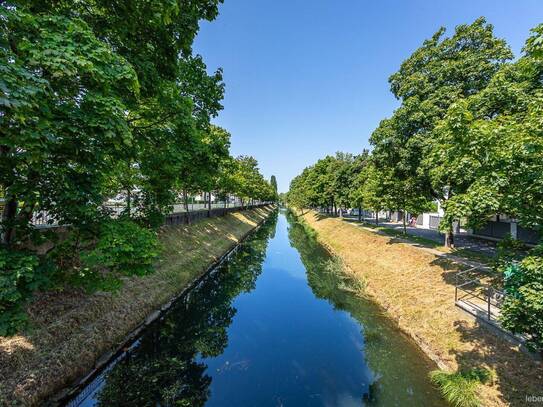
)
(309, 78)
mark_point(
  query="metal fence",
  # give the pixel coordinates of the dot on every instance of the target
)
(526, 235)
(44, 219)
(476, 293)
(185, 218)
(499, 230)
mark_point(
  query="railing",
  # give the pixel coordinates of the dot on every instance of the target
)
(184, 218)
(476, 296)
(43, 219)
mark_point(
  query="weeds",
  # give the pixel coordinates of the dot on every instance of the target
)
(460, 388)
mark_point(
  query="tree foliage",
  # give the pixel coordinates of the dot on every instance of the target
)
(489, 147)
(468, 133)
(103, 100)
(522, 311)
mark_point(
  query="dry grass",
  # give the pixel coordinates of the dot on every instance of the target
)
(72, 330)
(417, 290)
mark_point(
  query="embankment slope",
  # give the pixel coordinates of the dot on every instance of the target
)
(417, 290)
(71, 330)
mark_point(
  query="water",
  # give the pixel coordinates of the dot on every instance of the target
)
(276, 325)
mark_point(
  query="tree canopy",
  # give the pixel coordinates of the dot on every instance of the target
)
(99, 101)
(467, 134)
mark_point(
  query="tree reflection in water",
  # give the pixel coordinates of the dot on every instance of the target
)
(384, 346)
(164, 369)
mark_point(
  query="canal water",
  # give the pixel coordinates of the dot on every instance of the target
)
(275, 325)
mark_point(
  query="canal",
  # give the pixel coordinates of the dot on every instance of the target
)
(277, 324)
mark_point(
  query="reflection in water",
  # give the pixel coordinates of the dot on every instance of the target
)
(396, 371)
(276, 325)
(164, 368)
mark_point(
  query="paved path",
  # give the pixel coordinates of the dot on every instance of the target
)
(461, 241)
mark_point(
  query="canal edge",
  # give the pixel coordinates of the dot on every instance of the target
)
(421, 344)
(64, 395)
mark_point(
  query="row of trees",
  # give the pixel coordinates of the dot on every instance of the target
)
(468, 134)
(102, 99)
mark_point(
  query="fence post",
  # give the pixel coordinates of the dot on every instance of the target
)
(488, 292)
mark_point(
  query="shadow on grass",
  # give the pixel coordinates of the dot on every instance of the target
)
(516, 374)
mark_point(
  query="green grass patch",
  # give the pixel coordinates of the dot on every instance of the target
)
(415, 239)
(460, 388)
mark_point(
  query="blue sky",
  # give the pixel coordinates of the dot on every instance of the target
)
(309, 78)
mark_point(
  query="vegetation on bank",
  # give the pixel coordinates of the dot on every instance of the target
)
(70, 330)
(98, 101)
(460, 388)
(416, 289)
(332, 279)
(166, 368)
(468, 133)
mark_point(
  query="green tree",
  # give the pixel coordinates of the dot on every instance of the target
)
(100, 100)
(373, 189)
(438, 74)
(273, 183)
(522, 310)
(488, 149)
(63, 102)
(249, 181)
(357, 180)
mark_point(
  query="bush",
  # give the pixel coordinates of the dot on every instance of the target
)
(460, 388)
(508, 251)
(522, 310)
(123, 248)
(20, 276)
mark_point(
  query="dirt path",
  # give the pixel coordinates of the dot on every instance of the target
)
(416, 287)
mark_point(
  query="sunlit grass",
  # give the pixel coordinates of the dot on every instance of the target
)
(460, 388)
(70, 330)
(416, 288)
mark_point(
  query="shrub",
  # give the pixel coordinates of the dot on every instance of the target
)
(20, 276)
(509, 250)
(460, 388)
(123, 248)
(522, 310)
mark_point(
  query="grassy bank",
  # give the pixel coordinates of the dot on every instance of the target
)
(417, 290)
(71, 330)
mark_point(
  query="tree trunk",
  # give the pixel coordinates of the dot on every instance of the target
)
(449, 237)
(377, 218)
(359, 214)
(186, 200)
(404, 215)
(129, 202)
(8, 219)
